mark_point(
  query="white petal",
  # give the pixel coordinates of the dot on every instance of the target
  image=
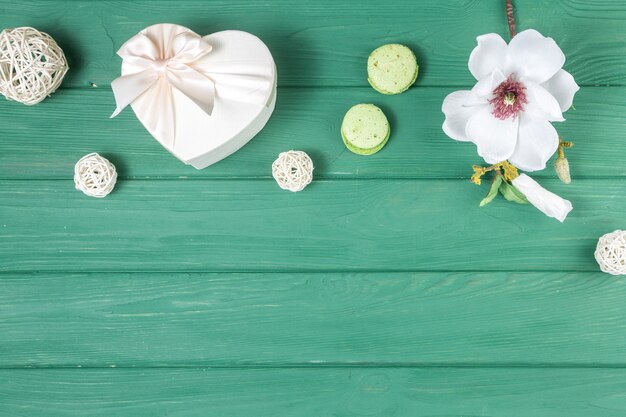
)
(549, 203)
(488, 55)
(541, 103)
(537, 141)
(534, 57)
(494, 138)
(457, 110)
(563, 87)
(483, 90)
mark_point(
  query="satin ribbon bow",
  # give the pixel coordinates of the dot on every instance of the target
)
(163, 57)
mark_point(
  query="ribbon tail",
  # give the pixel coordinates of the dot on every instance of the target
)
(128, 88)
(161, 119)
(196, 86)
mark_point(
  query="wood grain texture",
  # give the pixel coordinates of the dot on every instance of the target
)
(192, 293)
(396, 319)
(313, 392)
(327, 42)
(305, 118)
(351, 225)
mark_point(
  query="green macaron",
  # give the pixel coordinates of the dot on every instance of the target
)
(392, 69)
(365, 129)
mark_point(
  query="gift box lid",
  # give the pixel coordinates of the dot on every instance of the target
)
(233, 69)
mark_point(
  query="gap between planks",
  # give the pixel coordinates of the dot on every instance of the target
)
(374, 365)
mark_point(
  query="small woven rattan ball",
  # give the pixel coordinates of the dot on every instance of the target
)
(293, 170)
(94, 175)
(611, 253)
(32, 65)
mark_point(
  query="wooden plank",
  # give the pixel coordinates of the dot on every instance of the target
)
(314, 392)
(327, 42)
(396, 319)
(46, 140)
(351, 225)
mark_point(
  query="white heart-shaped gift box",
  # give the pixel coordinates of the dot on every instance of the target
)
(202, 98)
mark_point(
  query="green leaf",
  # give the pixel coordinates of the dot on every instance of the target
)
(493, 190)
(512, 194)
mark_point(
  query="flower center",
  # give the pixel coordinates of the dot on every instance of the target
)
(508, 99)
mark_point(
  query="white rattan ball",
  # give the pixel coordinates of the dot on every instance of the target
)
(293, 170)
(611, 253)
(32, 65)
(94, 175)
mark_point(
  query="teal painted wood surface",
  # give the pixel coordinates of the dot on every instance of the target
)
(307, 119)
(402, 392)
(381, 290)
(312, 319)
(348, 225)
(327, 43)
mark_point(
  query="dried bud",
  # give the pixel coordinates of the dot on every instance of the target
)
(561, 165)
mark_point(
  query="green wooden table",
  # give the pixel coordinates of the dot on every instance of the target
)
(381, 290)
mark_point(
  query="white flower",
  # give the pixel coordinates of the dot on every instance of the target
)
(549, 203)
(521, 88)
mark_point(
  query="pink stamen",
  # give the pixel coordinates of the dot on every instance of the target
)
(508, 99)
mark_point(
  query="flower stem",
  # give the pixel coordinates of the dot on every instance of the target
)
(563, 145)
(510, 172)
(510, 17)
